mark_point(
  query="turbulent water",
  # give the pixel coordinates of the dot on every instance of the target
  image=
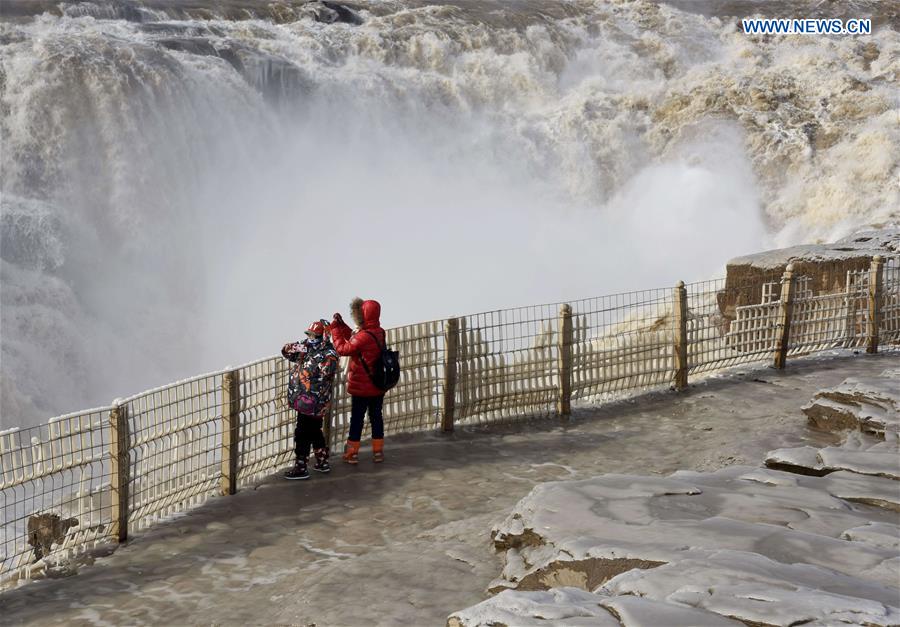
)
(187, 185)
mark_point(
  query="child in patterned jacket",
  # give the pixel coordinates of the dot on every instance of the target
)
(314, 364)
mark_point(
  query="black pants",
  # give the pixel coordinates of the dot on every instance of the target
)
(308, 433)
(358, 409)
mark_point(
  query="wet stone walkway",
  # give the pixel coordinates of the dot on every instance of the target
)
(407, 542)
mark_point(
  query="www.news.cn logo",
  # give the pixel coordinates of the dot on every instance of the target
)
(759, 26)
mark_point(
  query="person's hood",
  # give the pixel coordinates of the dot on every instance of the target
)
(366, 313)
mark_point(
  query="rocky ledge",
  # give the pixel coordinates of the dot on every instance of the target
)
(741, 545)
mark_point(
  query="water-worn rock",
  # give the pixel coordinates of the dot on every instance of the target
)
(818, 544)
(573, 607)
(825, 264)
(47, 529)
(860, 453)
(751, 544)
(649, 520)
(870, 404)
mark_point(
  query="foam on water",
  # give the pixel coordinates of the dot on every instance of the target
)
(182, 190)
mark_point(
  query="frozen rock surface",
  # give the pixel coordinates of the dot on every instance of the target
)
(587, 532)
(870, 404)
(824, 265)
(862, 245)
(818, 545)
(877, 458)
(574, 607)
(749, 544)
(867, 409)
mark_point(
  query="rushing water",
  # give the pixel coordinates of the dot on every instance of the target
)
(187, 185)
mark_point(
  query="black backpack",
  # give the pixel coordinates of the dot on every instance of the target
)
(386, 370)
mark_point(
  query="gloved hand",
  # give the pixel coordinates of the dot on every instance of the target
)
(338, 319)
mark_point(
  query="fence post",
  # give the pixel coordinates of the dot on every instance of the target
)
(681, 337)
(850, 305)
(329, 415)
(874, 304)
(564, 346)
(451, 356)
(120, 468)
(783, 327)
(462, 369)
(230, 433)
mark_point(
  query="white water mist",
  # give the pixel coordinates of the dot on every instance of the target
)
(179, 195)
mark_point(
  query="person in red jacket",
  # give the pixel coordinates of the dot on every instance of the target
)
(363, 346)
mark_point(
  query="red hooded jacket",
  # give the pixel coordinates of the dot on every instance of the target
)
(359, 346)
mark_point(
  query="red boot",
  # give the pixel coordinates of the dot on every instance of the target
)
(351, 452)
(378, 450)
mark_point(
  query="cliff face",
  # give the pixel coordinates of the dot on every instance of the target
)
(826, 265)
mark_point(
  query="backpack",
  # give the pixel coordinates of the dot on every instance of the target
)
(386, 370)
(299, 401)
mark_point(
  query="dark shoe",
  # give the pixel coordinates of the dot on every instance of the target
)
(322, 464)
(299, 471)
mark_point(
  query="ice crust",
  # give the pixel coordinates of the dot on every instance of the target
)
(819, 545)
(862, 244)
(870, 404)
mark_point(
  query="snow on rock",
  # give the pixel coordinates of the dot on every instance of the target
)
(646, 612)
(817, 545)
(583, 533)
(825, 265)
(869, 410)
(878, 458)
(802, 459)
(870, 404)
(883, 534)
(745, 587)
(865, 244)
(560, 606)
(750, 544)
(877, 491)
(720, 588)
(575, 607)
(884, 464)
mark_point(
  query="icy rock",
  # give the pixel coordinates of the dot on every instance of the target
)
(562, 606)
(583, 533)
(743, 544)
(572, 606)
(758, 546)
(883, 464)
(826, 265)
(865, 244)
(877, 491)
(883, 534)
(804, 460)
(644, 612)
(871, 404)
(754, 590)
(880, 459)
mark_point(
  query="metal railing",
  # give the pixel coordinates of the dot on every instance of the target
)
(98, 475)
